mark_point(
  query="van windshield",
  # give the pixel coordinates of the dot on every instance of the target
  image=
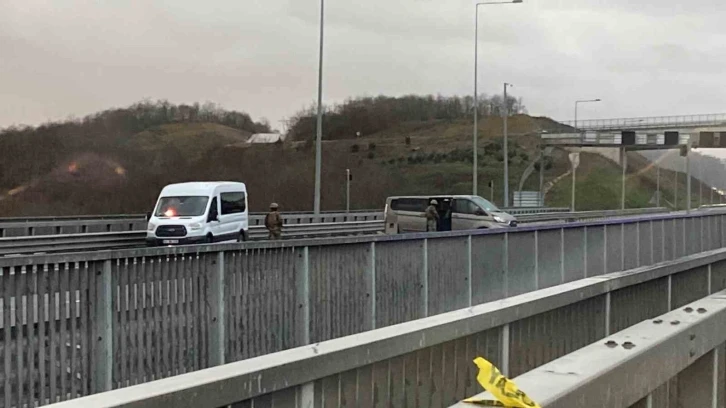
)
(485, 204)
(182, 206)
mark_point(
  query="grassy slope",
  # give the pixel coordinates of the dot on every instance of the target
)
(438, 159)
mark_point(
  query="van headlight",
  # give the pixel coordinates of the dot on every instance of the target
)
(499, 219)
(195, 226)
(151, 227)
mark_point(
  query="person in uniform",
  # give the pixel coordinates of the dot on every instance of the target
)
(273, 222)
(432, 216)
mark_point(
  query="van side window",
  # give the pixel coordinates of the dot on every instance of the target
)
(409, 204)
(465, 207)
(233, 203)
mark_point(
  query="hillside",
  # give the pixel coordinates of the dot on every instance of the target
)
(86, 168)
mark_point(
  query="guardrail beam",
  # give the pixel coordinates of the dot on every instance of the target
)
(627, 367)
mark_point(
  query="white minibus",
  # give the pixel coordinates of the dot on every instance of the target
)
(199, 212)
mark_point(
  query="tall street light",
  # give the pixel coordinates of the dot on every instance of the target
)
(506, 149)
(583, 101)
(319, 127)
(476, 90)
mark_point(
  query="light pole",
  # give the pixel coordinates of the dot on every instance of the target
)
(583, 101)
(347, 190)
(319, 127)
(506, 149)
(476, 89)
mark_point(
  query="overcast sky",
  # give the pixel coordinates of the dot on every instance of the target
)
(75, 57)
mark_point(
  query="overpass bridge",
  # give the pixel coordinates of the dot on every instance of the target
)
(365, 321)
(650, 122)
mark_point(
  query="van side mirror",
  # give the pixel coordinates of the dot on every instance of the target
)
(148, 215)
(213, 217)
(479, 211)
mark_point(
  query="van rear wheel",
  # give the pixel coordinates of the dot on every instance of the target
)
(242, 237)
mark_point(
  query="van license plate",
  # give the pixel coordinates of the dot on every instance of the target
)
(170, 241)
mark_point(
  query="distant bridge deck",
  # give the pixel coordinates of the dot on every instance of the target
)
(650, 122)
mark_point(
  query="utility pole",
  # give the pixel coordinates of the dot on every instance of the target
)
(506, 149)
(319, 127)
(475, 136)
(347, 190)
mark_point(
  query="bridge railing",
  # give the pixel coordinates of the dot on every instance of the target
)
(428, 362)
(134, 239)
(84, 224)
(118, 318)
(676, 359)
(649, 122)
(42, 226)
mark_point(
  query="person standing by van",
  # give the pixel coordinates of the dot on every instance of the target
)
(273, 222)
(432, 216)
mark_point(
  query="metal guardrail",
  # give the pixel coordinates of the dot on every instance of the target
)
(517, 211)
(140, 216)
(588, 215)
(16, 227)
(130, 239)
(40, 219)
(120, 223)
(684, 347)
(428, 362)
(37, 226)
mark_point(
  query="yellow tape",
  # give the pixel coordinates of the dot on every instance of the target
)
(503, 389)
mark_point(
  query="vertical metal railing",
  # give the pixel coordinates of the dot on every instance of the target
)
(73, 328)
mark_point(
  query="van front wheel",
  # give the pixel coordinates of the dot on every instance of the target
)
(210, 239)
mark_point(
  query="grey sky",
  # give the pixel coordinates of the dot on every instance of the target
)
(74, 57)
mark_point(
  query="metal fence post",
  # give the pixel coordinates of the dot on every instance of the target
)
(605, 250)
(607, 313)
(371, 283)
(586, 249)
(215, 296)
(562, 256)
(103, 330)
(303, 296)
(425, 280)
(505, 349)
(670, 292)
(469, 269)
(622, 247)
(536, 260)
(652, 242)
(505, 263)
(637, 244)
